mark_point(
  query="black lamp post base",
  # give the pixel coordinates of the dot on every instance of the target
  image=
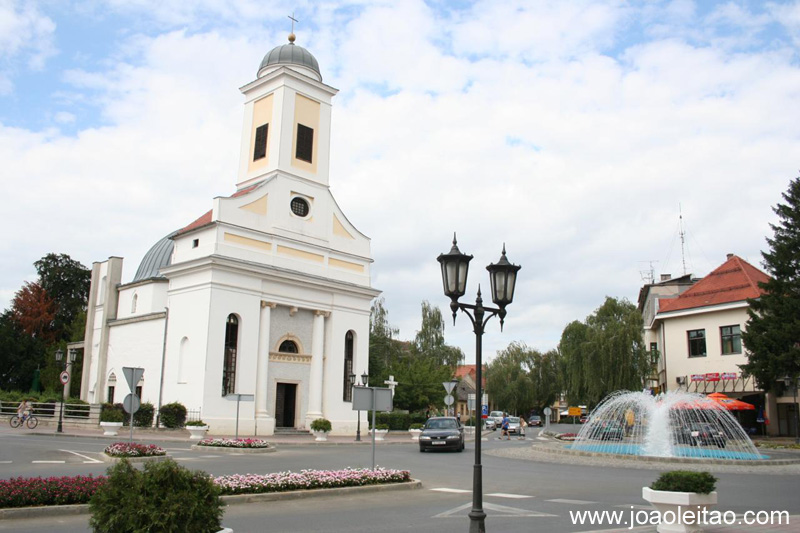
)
(476, 522)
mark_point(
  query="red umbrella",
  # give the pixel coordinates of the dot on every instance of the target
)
(731, 404)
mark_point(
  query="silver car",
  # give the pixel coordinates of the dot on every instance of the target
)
(513, 425)
(489, 423)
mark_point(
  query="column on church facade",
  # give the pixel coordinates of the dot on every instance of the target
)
(262, 360)
(315, 376)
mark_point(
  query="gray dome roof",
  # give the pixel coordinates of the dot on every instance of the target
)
(290, 54)
(158, 257)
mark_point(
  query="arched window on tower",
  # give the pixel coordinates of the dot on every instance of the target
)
(134, 301)
(229, 363)
(288, 346)
(347, 395)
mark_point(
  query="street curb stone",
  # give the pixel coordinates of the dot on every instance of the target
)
(233, 450)
(235, 499)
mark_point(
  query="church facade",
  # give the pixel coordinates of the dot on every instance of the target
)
(266, 295)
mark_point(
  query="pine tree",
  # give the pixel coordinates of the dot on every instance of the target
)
(773, 330)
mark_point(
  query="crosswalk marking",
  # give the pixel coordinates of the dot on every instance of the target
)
(504, 495)
(499, 510)
(572, 502)
(49, 462)
(457, 491)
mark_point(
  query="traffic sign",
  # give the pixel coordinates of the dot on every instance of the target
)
(449, 386)
(574, 411)
(547, 411)
(448, 400)
(131, 403)
(64, 377)
(132, 375)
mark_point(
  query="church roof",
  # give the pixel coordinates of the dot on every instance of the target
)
(735, 280)
(290, 54)
(159, 256)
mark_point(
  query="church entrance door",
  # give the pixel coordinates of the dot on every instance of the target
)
(285, 399)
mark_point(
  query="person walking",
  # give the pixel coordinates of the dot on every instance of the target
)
(504, 426)
(522, 425)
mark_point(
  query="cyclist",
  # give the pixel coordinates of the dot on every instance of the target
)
(24, 410)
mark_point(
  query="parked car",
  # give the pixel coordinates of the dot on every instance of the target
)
(699, 434)
(583, 419)
(535, 420)
(489, 423)
(513, 425)
(442, 433)
(608, 430)
(497, 416)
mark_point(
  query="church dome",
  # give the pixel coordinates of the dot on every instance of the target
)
(158, 257)
(291, 55)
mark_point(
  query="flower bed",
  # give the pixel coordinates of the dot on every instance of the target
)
(132, 449)
(37, 491)
(567, 436)
(234, 443)
(31, 492)
(308, 479)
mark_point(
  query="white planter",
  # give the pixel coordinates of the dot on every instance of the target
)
(680, 511)
(110, 429)
(197, 432)
(320, 436)
(415, 434)
(379, 433)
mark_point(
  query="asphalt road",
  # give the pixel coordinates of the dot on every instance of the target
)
(519, 495)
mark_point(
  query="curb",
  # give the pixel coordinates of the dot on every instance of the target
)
(678, 460)
(149, 459)
(235, 499)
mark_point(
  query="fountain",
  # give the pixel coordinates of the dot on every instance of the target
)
(674, 424)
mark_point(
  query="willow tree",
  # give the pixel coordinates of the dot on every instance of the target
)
(508, 380)
(606, 354)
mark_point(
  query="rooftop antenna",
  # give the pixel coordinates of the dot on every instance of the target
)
(648, 276)
(291, 35)
(682, 234)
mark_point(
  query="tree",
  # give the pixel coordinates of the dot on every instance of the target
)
(383, 348)
(35, 312)
(606, 353)
(429, 340)
(545, 377)
(20, 355)
(508, 380)
(66, 282)
(420, 382)
(772, 337)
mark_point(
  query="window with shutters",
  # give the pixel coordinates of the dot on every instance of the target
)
(305, 143)
(347, 396)
(229, 361)
(260, 148)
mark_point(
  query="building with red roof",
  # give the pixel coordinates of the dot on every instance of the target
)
(694, 331)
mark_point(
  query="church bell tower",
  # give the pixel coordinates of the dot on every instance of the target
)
(287, 119)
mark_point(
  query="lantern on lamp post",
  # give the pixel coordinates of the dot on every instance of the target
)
(503, 279)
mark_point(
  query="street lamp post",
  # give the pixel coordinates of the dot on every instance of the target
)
(364, 379)
(503, 278)
(68, 360)
(791, 382)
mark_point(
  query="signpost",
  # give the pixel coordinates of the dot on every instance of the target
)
(448, 400)
(131, 403)
(547, 413)
(372, 399)
(239, 398)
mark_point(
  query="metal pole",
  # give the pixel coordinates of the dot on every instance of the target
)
(796, 414)
(134, 394)
(476, 516)
(358, 428)
(372, 390)
(60, 428)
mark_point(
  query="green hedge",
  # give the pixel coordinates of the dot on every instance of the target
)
(173, 415)
(685, 481)
(396, 421)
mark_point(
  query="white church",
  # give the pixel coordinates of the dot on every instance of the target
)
(266, 294)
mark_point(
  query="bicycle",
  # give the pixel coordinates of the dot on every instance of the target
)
(31, 421)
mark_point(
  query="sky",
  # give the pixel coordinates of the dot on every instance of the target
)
(576, 133)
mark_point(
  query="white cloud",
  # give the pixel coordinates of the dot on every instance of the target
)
(507, 123)
(26, 36)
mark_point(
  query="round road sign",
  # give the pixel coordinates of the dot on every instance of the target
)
(64, 377)
(448, 400)
(131, 403)
(547, 411)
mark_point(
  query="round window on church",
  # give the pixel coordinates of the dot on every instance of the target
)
(299, 207)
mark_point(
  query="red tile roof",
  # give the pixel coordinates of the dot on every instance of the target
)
(465, 370)
(735, 280)
(202, 221)
(206, 218)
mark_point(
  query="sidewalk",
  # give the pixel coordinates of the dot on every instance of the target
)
(182, 435)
